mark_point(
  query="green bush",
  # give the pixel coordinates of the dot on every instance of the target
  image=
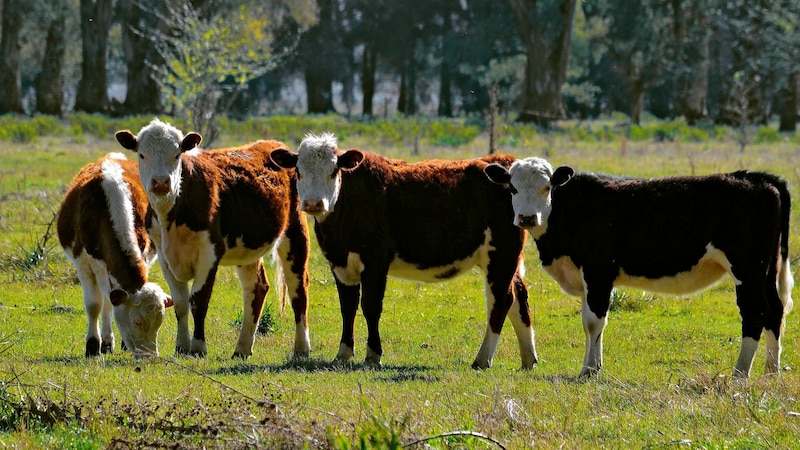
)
(767, 135)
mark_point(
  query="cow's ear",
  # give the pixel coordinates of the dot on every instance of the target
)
(118, 297)
(497, 174)
(126, 139)
(350, 159)
(190, 141)
(283, 158)
(168, 303)
(562, 175)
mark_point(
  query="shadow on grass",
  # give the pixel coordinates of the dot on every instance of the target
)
(387, 373)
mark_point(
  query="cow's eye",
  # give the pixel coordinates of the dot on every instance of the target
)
(141, 156)
(512, 189)
(299, 176)
(545, 190)
(333, 175)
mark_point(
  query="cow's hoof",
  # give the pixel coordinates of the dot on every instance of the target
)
(345, 353)
(92, 347)
(588, 372)
(107, 347)
(481, 365)
(237, 355)
(373, 358)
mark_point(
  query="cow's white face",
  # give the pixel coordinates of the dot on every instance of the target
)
(159, 146)
(530, 181)
(139, 316)
(319, 179)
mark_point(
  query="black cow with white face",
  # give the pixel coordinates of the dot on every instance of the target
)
(674, 235)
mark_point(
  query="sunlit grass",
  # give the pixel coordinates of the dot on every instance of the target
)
(666, 378)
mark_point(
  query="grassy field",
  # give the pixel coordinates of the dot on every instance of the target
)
(665, 382)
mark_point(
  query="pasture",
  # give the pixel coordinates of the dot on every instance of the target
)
(666, 380)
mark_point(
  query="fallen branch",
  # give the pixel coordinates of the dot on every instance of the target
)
(457, 433)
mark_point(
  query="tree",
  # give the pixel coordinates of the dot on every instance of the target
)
(322, 56)
(691, 37)
(545, 29)
(207, 57)
(11, 100)
(92, 95)
(140, 25)
(50, 80)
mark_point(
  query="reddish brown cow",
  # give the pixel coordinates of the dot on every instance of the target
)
(428, 221)
(222, 207)
(101, 229)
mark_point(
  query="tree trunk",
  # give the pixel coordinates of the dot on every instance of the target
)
(319, 89)
(637, 88)
(546, 38)
(368, 68)
(445, 79)
(92, 95)
(406, 100)
(693, 40)
(788, 121)
(11, 98)
(50, 81)
(139, 24)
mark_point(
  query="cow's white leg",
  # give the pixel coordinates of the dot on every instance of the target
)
(179, 291)
(746, 356)
(92, 304)
(107, 327)
(254, 288)
(520, 316)
(483, 360)
(773, 345)
(593, 326)
(296, 288)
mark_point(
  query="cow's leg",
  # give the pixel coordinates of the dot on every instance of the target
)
(348, 304)
(92, 304)
(779, 302)
(499, 298)
(293, 259)
(594, 313)
(201, 295)
(373, 288)
(179, 291)
(107, 327)
(520, 315)
(751, 299)
(254, 284)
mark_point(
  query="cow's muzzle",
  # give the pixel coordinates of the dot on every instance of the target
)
(528, 221)
(160, 186)
(312, 206)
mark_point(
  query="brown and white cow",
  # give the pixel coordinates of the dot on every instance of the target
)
(675, 235)
(222, 207)
(428, 221)
(101, 229)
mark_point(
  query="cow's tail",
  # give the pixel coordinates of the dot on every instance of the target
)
(280, 275)
(785, 279)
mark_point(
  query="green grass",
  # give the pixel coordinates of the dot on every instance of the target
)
(665, 383)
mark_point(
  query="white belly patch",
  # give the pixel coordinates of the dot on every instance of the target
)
(710, 268)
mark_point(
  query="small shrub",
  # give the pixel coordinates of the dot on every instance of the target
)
(267, 324)
(767, 135)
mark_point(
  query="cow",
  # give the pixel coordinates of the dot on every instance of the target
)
(101, 230)
(676, 235)
(428, 221)
(222, 207)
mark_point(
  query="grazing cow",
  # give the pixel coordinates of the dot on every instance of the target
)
(222, 207)
(428, 221)
(101, 229)
(675, 235)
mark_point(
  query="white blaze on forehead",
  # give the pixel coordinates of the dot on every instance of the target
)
(120, 207)
(159, 149)
(317, 169)
(530, 177)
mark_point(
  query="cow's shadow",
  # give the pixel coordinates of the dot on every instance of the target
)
(387, 373)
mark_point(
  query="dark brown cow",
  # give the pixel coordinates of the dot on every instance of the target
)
(429, 221)
(101, 229)
(222, 207)
(676, 235)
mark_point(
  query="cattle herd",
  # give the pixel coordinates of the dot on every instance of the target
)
(428, 221)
